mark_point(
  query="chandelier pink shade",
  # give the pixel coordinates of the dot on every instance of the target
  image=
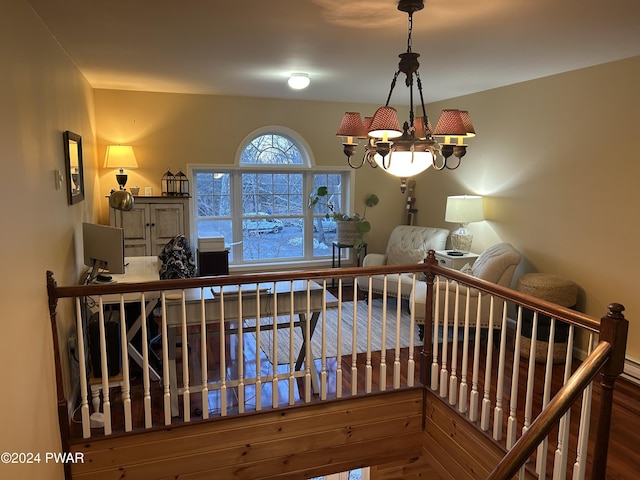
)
(385, 121)
(420, 131)
(450, 124)
(466, 121)
(351, 126)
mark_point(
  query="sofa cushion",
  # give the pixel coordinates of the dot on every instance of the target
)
(398, 255)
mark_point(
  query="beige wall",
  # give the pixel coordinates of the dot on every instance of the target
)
(41, 95)
(555, 159)
(174, 130)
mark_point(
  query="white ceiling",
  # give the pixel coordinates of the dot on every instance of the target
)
(349, 47)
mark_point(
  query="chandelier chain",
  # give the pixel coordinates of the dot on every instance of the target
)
(410, 30)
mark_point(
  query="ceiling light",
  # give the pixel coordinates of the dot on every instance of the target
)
(407, 150)
(298, 81)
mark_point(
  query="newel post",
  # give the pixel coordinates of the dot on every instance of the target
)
(426, 355)
(613, 329)
(63, 417)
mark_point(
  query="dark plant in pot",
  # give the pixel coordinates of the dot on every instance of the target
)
(350, 228)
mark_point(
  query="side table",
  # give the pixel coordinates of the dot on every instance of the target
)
(455, 262)
(337, 254)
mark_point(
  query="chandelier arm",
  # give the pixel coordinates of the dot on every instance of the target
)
(411, 114)
(435, 165)
(355, 166)
(446, 164)
(393, 85)
(424, 111)
(368, 156)
(386, 160)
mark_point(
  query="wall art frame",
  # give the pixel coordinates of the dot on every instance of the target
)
(73, 167)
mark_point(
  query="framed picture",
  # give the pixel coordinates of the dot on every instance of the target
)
(73, 166)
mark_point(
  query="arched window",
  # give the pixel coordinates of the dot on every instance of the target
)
(273, 149)
(260, 206)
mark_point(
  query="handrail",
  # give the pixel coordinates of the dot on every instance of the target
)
(544, 307)
(607, 358)
(549, 417)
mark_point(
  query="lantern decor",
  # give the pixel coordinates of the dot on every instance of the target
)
(168, 183)
(181, 184)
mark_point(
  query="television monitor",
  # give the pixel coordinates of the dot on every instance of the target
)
(103, 248)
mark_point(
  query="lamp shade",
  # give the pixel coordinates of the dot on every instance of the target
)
(466, 121)
(120, 156)
(464, 209)
(385, 124)
(450, 124)
(351, 126)
(420, 131)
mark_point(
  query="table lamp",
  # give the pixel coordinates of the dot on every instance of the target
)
(120, 157)
(463, 209)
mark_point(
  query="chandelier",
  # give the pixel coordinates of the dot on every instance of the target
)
(411, 149)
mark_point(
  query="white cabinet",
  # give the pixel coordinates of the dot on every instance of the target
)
(151, 223)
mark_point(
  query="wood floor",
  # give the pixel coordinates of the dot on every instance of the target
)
(624, 456)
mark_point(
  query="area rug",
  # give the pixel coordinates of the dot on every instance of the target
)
(378, 321)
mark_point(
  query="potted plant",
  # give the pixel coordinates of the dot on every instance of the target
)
(350, 228)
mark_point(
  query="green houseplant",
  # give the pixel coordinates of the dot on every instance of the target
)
(351, 228)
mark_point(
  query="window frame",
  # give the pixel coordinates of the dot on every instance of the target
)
(308, 171)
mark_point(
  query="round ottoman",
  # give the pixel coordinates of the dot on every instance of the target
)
(554, 289)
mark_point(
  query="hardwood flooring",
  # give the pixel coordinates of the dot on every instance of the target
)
(623, 460)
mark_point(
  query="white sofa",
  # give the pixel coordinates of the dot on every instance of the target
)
(407, 244)
(496, 264)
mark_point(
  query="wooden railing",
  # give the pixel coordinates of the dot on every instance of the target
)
(485, 389)
(476, 370)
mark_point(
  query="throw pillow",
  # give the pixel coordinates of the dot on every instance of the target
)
(403, 256)
(467, 269)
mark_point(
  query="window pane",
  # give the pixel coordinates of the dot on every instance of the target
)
(324, 234)
(271, 150)
(213, 194)
(272, 193)
(266, 237)
(333, 201)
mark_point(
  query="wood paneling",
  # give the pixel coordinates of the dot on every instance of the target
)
(291, 443)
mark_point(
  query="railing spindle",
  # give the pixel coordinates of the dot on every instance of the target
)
(453, 378)
(412, 328)
(498, 411)
(512, 422)
(435, 329)
(84, 404)
(339, 339)
(274, 380)
(475, 389)
(125, 385)
(444, 344)
(383, 339)
(464, 386)
(258, 374)
(222, 353)
(580, 465)
(486, 400)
